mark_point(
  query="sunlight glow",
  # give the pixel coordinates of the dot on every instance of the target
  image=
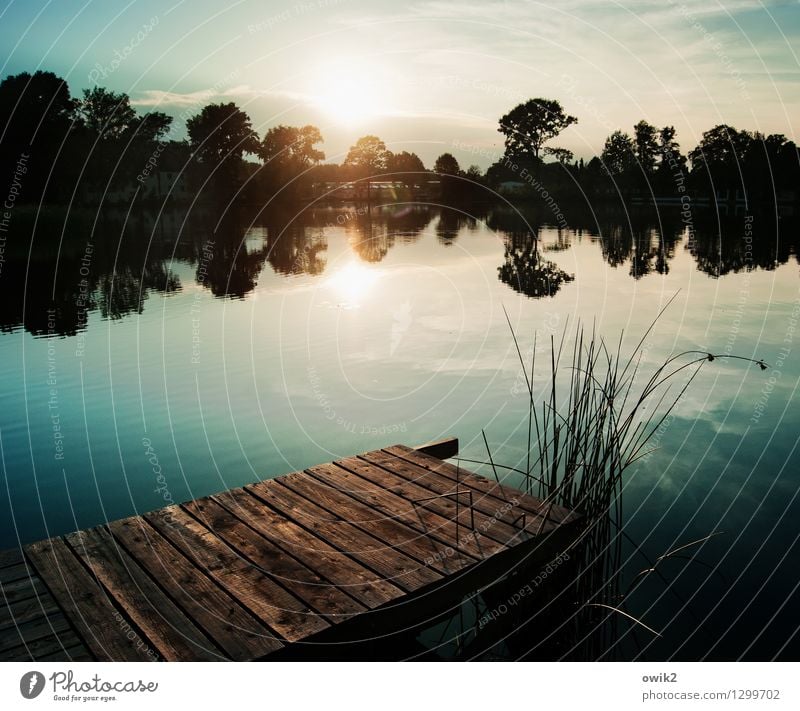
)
(348, 93)
(352, 282)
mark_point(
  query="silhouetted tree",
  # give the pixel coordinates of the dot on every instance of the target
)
(645, 146)
(722, 146)
(406, 166)
(671, 172)
(368, 158)
(116, 140)
(36, 115)
(446, 164)
(474, 174)
(562, 155)
(618, 155)
(287, 152)
(291, 146)
(527, 127)
(220, 135)
(105, 114)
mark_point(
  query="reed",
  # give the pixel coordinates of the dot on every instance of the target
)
(582, 437)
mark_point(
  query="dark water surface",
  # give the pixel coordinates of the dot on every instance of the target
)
(155, 357)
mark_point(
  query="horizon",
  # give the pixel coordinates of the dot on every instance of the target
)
(433, 79)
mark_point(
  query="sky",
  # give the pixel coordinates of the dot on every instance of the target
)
(427, 77)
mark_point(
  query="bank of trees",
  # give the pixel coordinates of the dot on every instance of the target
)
(98, 140)
(727, 163)
(58, 147)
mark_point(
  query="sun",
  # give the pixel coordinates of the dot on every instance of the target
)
(348, 93)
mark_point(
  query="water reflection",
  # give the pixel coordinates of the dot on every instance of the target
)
(743, 244)
(61, 266)
(526, 272)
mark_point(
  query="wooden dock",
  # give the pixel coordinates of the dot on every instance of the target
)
(301, 566)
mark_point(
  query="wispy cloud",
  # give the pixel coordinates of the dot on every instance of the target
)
(158, 97)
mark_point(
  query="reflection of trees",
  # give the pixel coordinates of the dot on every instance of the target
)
(451, 222)
(373, 233)
(124, 291)
(526, 272)
(369, 241)
(647, 244)
(514, 223)
(103, 267)
(298, 241)
(293, 246)
(404, 222)
(226, 266)
(733, 245)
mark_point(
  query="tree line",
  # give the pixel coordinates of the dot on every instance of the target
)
(98, 144)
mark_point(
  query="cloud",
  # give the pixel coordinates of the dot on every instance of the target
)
(158, 97)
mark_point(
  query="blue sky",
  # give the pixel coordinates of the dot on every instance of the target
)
(428, 76)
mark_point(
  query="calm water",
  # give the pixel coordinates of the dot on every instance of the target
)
(153, 358)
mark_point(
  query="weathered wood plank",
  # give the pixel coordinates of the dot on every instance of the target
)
(23, 589)
(371, 589)
(228, 523)
(428, 551)
(101, 626)
(494, 514)
(394, 506)
(38, 628)
(282, 612)
(485, 524)
(78, 653)
(390, 562)
(556, 514)
(10, 573)
(27, 610)
(11, 556)
(175, 637)
(235, 630)
(53, 648)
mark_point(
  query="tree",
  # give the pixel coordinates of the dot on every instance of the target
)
(721, 147)
(292, 147)
(406, 166)
(718, 161)
(106, 114)
(669, 150)
(474, 173)
(645, 146)
(446, 164)
(110, 116)
(111, 129)
(671, 171)
(153, 126)
(289, 152)
(37, 105)
(618, 154)
(368, 156)
(562, 155)
(528, 126)
(221, 134)
(36, 115)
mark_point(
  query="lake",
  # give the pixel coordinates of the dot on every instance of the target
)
(156, 356)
